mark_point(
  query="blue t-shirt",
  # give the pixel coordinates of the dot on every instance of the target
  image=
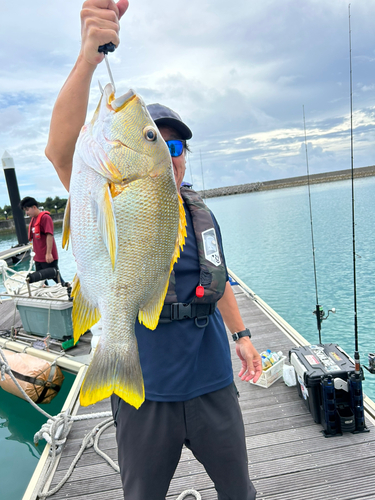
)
(179, 360)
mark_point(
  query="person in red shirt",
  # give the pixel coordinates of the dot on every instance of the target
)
(41, 234)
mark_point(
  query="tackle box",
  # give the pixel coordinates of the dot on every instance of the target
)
(40, 317)
(272, 374)
(327, 384)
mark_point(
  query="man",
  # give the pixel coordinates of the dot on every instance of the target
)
(186, 365)
(41, 234)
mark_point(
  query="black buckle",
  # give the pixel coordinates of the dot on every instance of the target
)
(180, 311)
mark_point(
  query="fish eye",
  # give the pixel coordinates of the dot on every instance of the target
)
(150, 133)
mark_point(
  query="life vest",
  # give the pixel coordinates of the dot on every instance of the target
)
(36, 231)
(213, 272)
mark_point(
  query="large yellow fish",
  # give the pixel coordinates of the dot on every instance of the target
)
(127, 224)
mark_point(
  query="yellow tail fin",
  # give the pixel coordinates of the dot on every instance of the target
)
(115, 371)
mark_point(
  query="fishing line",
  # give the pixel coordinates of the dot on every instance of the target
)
(204, 191)
(191, 172)
(318, 310)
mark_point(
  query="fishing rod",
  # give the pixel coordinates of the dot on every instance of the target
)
(371, 356)
(356, 352)
(356, 377)
(319, 309)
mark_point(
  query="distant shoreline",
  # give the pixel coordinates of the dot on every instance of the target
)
(7, 226)
(338, 175)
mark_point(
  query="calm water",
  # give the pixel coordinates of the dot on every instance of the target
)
(267, 242)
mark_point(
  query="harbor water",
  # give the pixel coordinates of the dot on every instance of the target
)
(267, 243)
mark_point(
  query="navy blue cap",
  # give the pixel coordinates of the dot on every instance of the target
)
(166, 116)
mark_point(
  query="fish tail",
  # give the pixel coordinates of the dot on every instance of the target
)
(114, 370)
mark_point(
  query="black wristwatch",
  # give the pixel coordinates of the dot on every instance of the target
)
(239, 335)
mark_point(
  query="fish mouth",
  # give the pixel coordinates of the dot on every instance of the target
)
(121, 101)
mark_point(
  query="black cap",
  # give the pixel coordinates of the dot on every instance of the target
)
(166, 116)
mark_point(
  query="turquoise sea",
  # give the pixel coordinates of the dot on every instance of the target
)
(267, 242)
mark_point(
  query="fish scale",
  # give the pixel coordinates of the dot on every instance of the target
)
(127, 226)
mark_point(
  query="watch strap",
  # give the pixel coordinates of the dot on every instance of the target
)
(239, 335)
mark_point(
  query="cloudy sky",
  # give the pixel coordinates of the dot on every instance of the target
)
(238, 73)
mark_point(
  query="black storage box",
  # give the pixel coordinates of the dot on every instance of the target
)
(329, 388)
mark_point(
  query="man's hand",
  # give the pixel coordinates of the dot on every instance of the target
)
(49, 258)
(100, 25)
(250, 360)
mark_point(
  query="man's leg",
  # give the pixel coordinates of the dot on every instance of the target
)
(216, 436)
(149, 444)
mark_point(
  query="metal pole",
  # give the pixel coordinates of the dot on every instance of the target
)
(14, 197)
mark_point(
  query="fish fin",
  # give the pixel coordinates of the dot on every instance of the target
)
(150, 313)
(106, 221)
(94, 156)
(84, 315)
(114, 371)
(66, 226)
(180, 241)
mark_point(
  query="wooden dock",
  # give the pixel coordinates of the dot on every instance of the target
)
(289, 458)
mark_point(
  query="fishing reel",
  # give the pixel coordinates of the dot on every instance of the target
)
(371, 363)
(319, 313)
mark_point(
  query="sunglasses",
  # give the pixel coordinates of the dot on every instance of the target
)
(175, 147)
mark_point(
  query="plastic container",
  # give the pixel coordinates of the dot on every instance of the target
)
(272, 374)
(325, 375)
(40, 317)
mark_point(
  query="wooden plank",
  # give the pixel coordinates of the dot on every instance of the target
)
(289, 458)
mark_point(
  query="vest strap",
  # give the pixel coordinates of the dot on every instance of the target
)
(178, 311)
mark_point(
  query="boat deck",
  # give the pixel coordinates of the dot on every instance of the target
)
(15, 254)
(289, 458)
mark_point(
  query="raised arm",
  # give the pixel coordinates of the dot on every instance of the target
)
(99, 25)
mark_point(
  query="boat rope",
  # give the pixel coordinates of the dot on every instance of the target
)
(90, 439)
(54, 292)
(186, 493)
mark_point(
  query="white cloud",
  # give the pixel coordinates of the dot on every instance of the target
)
(237, 73)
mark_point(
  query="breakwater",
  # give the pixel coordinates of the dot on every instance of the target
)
(337, 175)
(7, 226)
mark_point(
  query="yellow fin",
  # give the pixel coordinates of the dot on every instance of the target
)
(66, 226)
(150, 314)
(102, 205)
(181, 233)
(114, 371)
(83, 315)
